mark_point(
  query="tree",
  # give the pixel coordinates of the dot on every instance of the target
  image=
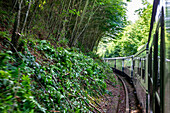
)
(134, 35)
(83, 23)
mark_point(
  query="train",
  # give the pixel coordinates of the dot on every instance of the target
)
(149, 68)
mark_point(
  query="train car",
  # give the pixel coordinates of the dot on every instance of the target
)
(149, 68)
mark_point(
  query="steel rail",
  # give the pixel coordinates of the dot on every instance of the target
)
(126, 93)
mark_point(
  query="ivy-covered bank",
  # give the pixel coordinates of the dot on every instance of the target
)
(42, 78)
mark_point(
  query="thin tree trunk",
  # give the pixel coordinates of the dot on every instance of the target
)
(15, 34)
(19, 15)
(15, 3)
(91, 14)
(51, 19)
(26, 16)
(64, 24)
(71, 13)
(33, 15)
(75, 25)
(63, 31)
(82, 16)
(60, 21)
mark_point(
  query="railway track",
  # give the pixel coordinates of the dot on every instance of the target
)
(132, 104)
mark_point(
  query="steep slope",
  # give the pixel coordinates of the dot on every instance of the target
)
(42, 78)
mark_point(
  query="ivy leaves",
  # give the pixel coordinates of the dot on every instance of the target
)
(62, 83)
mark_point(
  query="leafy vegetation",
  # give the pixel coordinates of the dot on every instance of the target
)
(83, 23)
(45, 79)
(42, 45)
(131, 39)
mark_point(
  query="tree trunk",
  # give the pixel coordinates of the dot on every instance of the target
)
(75, 25)
(26, 16)
(16, 34)
(33, 14)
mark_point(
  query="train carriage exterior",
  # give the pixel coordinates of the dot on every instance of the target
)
(149, 68)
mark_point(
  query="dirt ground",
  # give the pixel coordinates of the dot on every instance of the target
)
(114, 102)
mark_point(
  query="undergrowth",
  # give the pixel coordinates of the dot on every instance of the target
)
(48, 79)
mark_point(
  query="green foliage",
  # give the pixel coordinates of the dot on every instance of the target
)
(133, 37)
(109, 20)
(61, 80)
(4, 34)
(82, 23)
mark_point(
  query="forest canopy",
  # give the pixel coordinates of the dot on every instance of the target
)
(81, 23)
(133, 37)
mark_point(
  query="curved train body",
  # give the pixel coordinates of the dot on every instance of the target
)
(149, 68)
